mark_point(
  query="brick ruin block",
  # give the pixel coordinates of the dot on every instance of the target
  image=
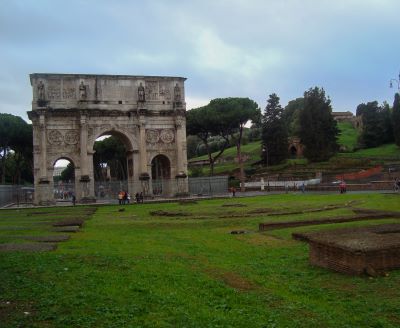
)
(356, 251)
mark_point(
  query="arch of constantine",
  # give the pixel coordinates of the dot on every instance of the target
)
(146, 113)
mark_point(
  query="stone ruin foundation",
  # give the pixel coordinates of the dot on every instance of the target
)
(355, 251)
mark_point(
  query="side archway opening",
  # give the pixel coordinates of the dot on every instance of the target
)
(161, 174)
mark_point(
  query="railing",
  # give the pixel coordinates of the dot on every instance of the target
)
(208, 185)
(15, 194)
(109, 189)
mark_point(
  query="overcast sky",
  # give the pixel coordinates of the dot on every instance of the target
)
(239, 48)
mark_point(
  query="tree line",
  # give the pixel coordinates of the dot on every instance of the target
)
(214, 127)
(221, 124)
(16, 150)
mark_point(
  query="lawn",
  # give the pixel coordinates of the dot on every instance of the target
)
(136, 269)
(384, 152)
(252, 149)
(348, 136)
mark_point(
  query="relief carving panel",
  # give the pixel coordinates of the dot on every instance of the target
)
(160, 136)
(152, 136)
(165, 93)
(71, 137)
(151, 90)
(54, 90)
(167, 136)
(69, 91)
(55, 137)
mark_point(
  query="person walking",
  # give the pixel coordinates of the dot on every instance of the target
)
(120, 197)
(396, 185)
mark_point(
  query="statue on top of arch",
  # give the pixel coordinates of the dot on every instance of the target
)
(177, 93)
(82, 91)
(141, 93)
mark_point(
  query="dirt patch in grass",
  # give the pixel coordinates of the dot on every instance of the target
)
(9, 309)
(48, 239)
(67, 229)
(376, 212)
(347, 287)
(28, 247)
(42, 213)
(90, 211)
(275, 212)
(377, 215)
(187, 202)
(231, 279)
(239, 232)
(69, 222)
(262, 211)
(168, 213)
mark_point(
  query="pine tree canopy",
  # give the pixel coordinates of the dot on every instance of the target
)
(274, 133)
(396, 119)
(318, 130)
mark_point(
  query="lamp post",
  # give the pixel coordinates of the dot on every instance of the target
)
(265, 150)
(397, 81)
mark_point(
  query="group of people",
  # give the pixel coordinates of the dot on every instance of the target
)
(124, 197)
(139, 197)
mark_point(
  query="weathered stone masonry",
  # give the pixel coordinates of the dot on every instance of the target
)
(70, 111)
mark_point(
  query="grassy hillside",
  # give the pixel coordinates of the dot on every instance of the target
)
(252, 149)
(348, 139)
(384, 152)
(348, 136)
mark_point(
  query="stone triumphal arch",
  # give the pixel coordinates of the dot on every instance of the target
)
(147, 113)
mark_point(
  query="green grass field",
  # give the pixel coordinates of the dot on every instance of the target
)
(384, 152)
(132, 269)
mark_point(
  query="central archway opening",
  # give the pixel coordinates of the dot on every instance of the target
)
(64, 179)
(111, 166)
(160, 175)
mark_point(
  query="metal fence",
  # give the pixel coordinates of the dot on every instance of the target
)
(203, 186)
(15, 194)
(109, 189)
(208, 185)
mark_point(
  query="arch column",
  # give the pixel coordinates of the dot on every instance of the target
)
(181, 176)
(144, 175)
(130, 171)
(86, 183)
(43, 150)
(43, 183)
